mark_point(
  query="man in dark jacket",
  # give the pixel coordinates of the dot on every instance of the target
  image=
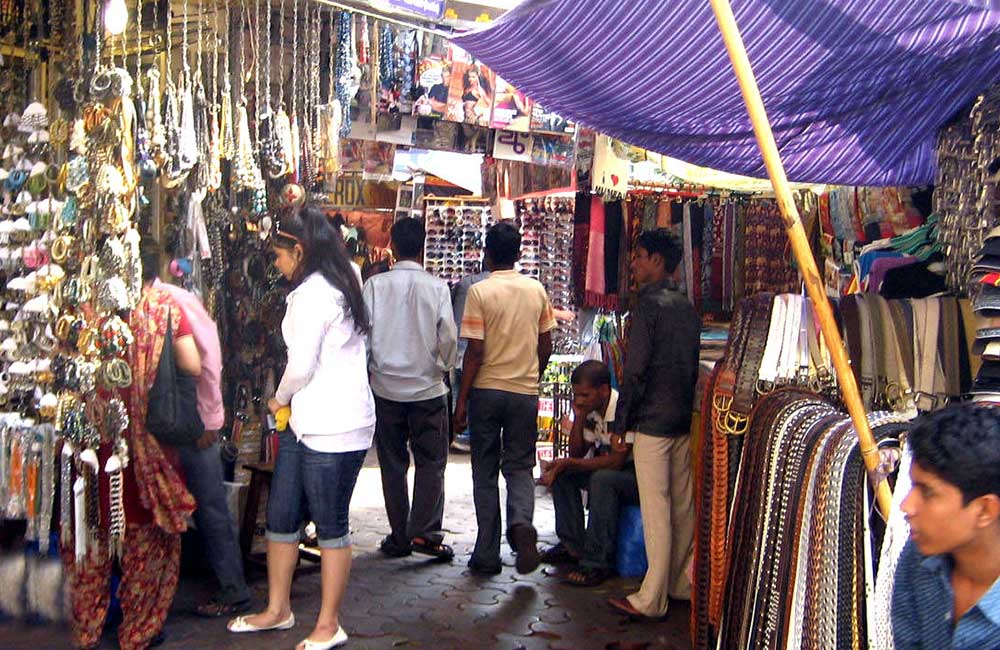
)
(657, 398)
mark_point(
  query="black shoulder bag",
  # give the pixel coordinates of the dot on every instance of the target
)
(172, 414)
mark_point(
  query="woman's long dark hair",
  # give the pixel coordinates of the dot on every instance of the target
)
(324, 252)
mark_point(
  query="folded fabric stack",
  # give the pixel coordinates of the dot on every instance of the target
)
(986, 303)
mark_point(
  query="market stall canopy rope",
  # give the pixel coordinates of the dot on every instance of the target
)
(856, 90)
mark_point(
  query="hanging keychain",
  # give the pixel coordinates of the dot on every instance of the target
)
(226, 139)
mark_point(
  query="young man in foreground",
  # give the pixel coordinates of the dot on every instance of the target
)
(947, 593)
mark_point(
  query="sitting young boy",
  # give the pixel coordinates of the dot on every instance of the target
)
(947, 592)
(598, 462)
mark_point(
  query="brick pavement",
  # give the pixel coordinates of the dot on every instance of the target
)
(413, 603)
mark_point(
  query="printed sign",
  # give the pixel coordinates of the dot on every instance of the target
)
(511, 145)
(429, 8)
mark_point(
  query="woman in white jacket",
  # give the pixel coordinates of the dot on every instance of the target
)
(331, 426)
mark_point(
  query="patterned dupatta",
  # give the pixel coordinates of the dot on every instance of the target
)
(161, 489)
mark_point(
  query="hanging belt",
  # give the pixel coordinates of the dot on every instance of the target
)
(928, 374)
(850, 314)
(868, 356)
(772, 351)
(725, 386)
(898, 387)
(949, 345)
(757, 327)
(789, 360)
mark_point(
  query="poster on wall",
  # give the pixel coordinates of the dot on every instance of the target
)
(511, 108)
(352, 155)
(378, 158)
(545, 121)
(434, 75)
(470, 99)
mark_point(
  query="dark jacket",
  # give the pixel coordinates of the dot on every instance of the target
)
(661, 364)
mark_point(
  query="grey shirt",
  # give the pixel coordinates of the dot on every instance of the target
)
(458, 303)
(661, 364)
(413, 339)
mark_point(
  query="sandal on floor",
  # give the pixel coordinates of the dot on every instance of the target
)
(240, 624)
(392, 549)
(217, 608)
(442, 552)
(623, 606)
(586, 577)
(559, 554)
(339, 639)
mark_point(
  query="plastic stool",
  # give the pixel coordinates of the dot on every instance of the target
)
(630, 555)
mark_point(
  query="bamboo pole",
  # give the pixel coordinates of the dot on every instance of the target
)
(800, 244)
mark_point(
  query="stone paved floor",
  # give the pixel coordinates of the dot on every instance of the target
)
(411, 603)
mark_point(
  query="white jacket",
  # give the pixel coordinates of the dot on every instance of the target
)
(326, 379)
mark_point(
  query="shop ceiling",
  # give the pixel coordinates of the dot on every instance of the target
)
(856, 90)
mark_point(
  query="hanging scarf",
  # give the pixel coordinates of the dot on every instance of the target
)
(595, 281)
(161, 489)
(581, 242)
(610, 172)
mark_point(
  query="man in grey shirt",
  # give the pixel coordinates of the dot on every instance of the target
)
(412, 344)
(461, 292)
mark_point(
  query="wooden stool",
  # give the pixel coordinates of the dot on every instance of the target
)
(260, 477)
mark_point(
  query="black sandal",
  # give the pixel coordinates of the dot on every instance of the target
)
(586, 577)
(390, 548)
(442, 552)
(559, 554)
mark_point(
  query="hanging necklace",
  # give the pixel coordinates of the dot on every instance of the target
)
(202, 135)
(293, 144)
(227, 144)
(215, 143)
(188, 144)
(344, 75)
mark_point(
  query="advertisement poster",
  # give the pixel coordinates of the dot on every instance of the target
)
(544, 121)
(511, 108)
(470, 99)
(378, 158)
(552, 150)
(434, 74)
(511, 145)
(352, 155)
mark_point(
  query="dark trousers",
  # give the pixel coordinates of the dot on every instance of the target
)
(503, 429)
(424, 425)
(607, 491)
(203, 472)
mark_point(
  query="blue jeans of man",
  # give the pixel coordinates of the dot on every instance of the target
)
(503, 428)
(607, 491)
(203, 472)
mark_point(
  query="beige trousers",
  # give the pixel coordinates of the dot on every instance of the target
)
(663, 471)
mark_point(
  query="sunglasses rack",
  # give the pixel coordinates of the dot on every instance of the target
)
(547, 255)
(456, 233)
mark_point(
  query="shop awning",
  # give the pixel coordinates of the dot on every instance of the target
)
(856, 90)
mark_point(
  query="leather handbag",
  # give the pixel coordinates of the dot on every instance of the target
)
(172, 414)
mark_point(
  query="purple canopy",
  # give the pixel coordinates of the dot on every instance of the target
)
(856, 90)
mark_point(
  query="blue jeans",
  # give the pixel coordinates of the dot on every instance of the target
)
(312, 486)
(203, 471)
(607, 491)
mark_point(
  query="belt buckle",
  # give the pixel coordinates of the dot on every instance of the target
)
(925, 401)
(722, 402)
(736, 424)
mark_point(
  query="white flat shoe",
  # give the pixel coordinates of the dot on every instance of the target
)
(340, 638)
(240, 624)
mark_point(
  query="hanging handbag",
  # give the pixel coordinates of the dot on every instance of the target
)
(172, 414)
